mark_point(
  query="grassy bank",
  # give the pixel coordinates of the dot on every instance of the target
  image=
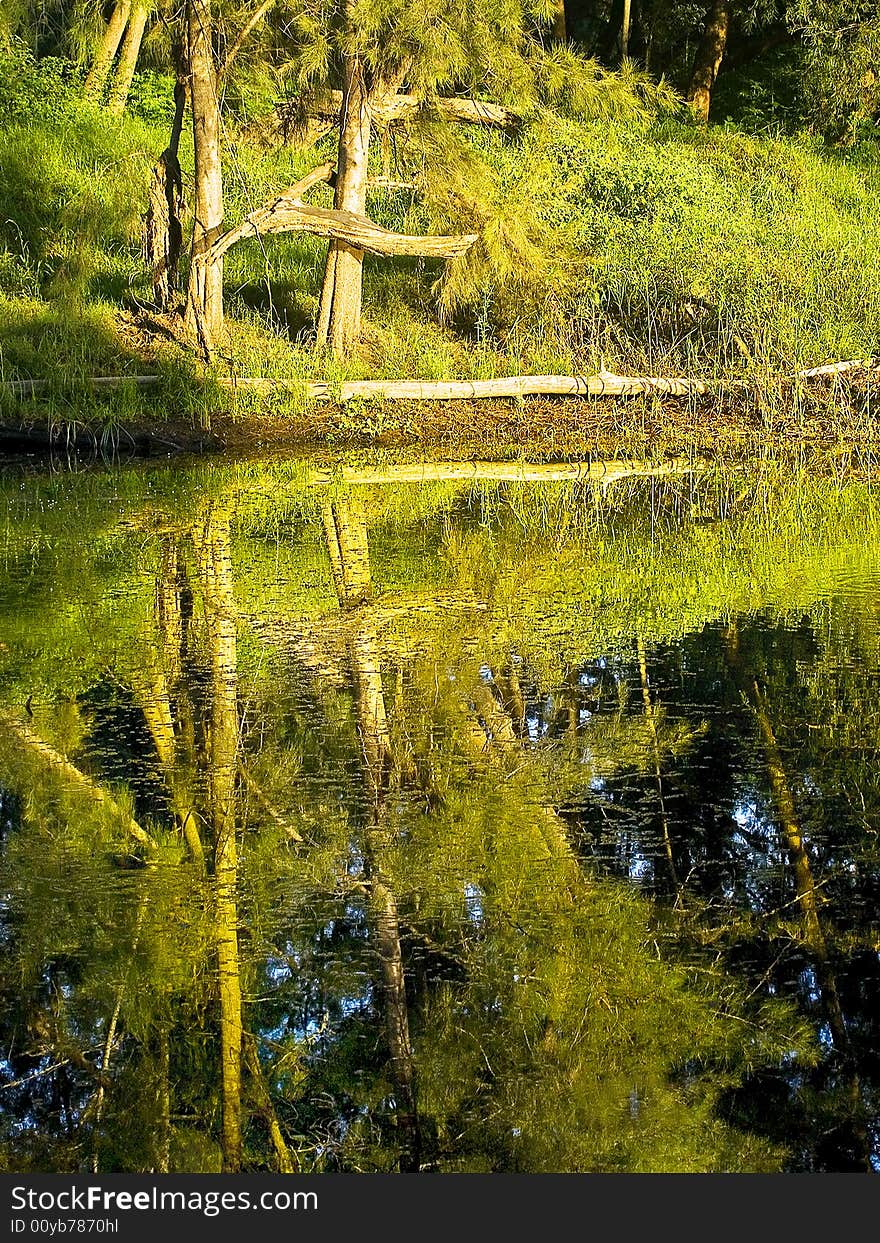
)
(672, 250)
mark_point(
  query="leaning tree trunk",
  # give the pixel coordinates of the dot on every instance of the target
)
(163, 224)
(96, 79)
(339, 314)
(710, 54)
(204, 306)
(128, 59)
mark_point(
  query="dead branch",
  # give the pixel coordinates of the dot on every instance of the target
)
(390, 109)
(264, 803)
(852, 364)
(288, 213)
(258, 14)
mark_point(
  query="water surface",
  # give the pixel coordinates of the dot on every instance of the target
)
(349, 822)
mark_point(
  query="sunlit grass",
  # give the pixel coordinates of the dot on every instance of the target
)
(713, 253)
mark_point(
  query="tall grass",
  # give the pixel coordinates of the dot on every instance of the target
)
(671, 250)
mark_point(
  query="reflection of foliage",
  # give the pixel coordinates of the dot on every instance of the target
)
(549, 1030)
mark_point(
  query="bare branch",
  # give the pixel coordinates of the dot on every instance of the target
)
(257, 16)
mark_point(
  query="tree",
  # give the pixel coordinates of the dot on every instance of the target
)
(102, 64)
(128, 56)
(710, 53)
(444, 63)
(204, 304)
(842, 70)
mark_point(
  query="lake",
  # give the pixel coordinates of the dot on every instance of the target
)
(360, 814)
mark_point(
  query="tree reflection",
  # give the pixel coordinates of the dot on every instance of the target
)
(446, 830)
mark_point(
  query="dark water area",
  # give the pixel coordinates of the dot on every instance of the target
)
(360, 818)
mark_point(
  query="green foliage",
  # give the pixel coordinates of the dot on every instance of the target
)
(621, 242)
(72, 189)
(842, 85)
(31, 89)
(151, 97)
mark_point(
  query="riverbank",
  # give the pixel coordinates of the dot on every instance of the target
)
(828, 419)
(682, 251)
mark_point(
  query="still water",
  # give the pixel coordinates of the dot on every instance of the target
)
(357, 817)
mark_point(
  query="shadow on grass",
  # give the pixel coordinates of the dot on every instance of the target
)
(61, 348)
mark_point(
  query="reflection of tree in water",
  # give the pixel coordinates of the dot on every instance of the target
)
(189, 700)
(736, 803)
(349, 557)
(436, 978)
(553, 1092)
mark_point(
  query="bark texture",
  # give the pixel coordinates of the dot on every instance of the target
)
(351, 230)
(710, 54)
(339, 313)
(164, 219)
(204, 308)
(128, 58)
(97, 76)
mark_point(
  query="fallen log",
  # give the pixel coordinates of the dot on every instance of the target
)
(852, 364)
(599, 471)
(397, 109)
(602, 384)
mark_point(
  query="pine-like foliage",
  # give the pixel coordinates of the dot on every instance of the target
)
(843, 60)
(500, 52)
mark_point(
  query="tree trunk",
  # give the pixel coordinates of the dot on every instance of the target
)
(709, 56)
(128, 58)
(651, 718)
(204, 308)
(97, 76)
(339, 314)
(384, 919)
(163, 225)
(162, 1133)
(159, 689)
(793, 841)
(607, 45)
(347, 543)
(346, 534)
(70, 774)
(625, 29)
(560, 28)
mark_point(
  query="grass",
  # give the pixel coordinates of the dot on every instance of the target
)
(668, 250)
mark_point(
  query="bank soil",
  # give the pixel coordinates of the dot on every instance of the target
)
(828, 416)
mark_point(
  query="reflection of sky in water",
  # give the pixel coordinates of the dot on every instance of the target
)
(473, 897)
